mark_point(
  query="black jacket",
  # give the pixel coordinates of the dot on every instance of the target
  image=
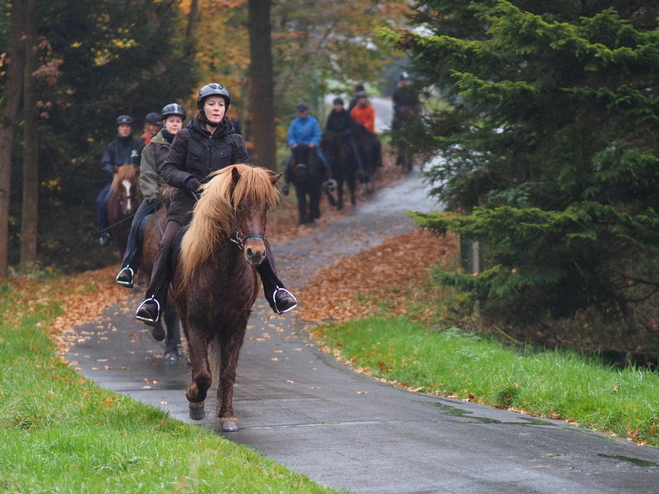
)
(340, 122)
(197, 153)
(121, 151)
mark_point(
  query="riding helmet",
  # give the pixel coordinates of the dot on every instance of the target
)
(173, 109)
(213, 89)
(152, 118)
(338, 101)
(404, 76)
(301, 106)
(124, 119)
(361, 94)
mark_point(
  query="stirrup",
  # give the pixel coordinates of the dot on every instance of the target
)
(129, 284)
(149, 320)
(274, 301)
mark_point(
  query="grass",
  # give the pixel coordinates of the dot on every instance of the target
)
(64, 434)
(453, 363)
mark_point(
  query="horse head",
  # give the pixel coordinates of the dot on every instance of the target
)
(233, 204)
(126, 188)
(301, 161)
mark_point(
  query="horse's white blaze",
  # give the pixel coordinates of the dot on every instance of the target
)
(127, 184)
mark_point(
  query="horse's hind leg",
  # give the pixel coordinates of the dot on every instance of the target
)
(201, 373)
(229, 362)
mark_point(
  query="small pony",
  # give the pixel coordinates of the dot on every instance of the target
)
(216, 282)
(308, 176)
(122, 202)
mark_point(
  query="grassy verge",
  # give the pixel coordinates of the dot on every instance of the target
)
(61, 433)
(560, 385)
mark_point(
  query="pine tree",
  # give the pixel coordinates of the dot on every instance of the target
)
(550, 148)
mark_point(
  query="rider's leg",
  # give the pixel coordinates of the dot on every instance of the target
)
(322, 159)
(352, 145)
(155, 297)
(131, 260)
(280, 299)
(102, 221)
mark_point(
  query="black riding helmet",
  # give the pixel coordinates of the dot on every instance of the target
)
(338, 101)
(124, 119)
(173, 109)
(152, 118)
(213, 89)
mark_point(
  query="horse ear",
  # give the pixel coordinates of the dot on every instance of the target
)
(235, 175)
(275, 178)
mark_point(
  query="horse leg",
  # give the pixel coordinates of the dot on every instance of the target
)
(229, 363)
(301, 205)
(201, 373)
(173, 336)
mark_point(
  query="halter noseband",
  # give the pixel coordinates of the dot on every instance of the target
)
(240, 237)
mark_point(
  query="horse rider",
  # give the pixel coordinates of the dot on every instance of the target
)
(404, 97)
(124, 150)
(152, 125)
(340, 122)
(151, 185)
(208, 143)
(353, 101)
(305, 131)
(364, 113)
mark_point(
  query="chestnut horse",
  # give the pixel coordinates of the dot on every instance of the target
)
(123, 200)
(216, 283)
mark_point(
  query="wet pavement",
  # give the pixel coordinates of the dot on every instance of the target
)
(348, 431)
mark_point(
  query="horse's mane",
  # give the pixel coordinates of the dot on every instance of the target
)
(214, 213)
(125, 172)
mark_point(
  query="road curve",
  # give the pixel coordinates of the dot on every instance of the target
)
(318, 417)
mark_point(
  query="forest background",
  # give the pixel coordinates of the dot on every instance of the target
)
(80, 64)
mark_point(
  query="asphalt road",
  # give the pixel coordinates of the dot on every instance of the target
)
(349, 431)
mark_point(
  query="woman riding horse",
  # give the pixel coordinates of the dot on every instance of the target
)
(208, 143)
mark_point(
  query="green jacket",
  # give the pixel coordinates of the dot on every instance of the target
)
(153, 157)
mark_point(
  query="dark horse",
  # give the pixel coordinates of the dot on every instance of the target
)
(151, 232)
(123, 200)
(370, 151)
(340, 154)
(308, 175)
(216, 283)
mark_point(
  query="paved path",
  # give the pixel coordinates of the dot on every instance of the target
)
(342, 429)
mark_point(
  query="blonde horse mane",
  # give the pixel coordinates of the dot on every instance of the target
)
(214, 213)
(125, 172)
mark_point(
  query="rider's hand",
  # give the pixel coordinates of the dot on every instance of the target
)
(312, 145)
(192, 184)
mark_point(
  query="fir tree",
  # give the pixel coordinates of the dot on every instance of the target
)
(550, 148)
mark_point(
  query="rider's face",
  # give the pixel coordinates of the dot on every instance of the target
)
(152, 129)
(338, 107)
(124, 130)
(173, 124)
(214, 108)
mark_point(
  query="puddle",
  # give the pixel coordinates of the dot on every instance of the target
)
(635, 461)
(457, 412)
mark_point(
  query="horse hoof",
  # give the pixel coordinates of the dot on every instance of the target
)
(171, 356)
(158, 332)
(197, 412)
(229, 425)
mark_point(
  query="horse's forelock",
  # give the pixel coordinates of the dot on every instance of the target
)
(125, 172)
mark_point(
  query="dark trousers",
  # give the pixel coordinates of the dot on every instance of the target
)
(133, 252)
(162, 272)
(102, 221)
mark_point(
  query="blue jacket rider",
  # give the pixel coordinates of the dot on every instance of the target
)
(304, 130)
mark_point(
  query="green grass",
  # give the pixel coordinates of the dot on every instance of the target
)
(63, 434)
(624, 402)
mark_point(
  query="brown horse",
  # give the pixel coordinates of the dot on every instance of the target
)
(216, 283)
(123, 200)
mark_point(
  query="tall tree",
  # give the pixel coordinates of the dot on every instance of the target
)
(30, 211)
(11, 101)
(261, 84)
(550, 149)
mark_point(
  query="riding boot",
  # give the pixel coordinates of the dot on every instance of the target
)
(287, 177)
(131, 260)
(280, 299)
(155, 297)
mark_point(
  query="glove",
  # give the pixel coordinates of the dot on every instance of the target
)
(192, 184)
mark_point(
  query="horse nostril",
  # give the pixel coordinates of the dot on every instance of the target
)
(249, 252)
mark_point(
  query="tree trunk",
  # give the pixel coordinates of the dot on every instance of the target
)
(31, 143)
(193, 21)
(12, 98)
(261, 84)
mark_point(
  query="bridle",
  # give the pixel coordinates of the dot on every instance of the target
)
(240, 236)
